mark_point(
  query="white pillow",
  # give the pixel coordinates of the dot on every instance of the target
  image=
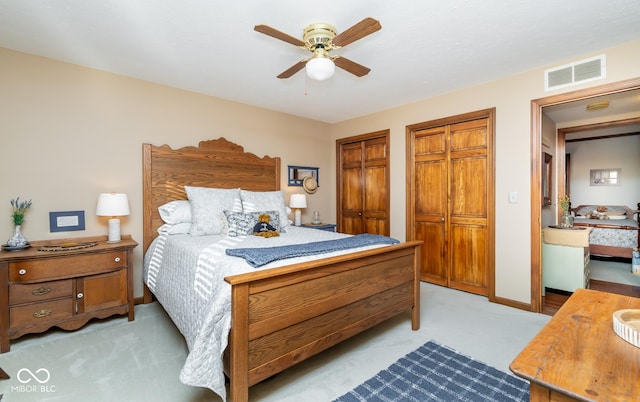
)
(178, 228)
(175, 212)
(207, 206)
(256, 201)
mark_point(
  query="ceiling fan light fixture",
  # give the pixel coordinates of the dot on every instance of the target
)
(320, 68)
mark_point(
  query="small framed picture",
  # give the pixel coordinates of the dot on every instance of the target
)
(66, 221)
(605, 177)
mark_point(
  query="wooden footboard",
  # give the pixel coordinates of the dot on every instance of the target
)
(282, 316)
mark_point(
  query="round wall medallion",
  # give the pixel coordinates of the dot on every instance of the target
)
(310, 185)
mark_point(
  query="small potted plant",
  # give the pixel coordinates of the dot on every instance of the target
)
(19, 208)
(566, 220)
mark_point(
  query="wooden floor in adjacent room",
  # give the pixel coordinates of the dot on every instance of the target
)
(554, 299)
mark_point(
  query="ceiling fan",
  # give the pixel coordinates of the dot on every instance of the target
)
(320, 38)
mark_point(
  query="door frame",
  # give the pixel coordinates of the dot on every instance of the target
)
(537, 106)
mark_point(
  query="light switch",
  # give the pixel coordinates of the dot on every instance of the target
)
(513, 197)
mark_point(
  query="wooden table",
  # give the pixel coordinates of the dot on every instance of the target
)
(578, 357)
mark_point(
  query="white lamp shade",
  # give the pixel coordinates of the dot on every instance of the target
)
(298, 201)
(112, 204)
(320, 68)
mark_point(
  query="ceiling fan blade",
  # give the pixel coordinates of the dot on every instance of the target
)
(267, 30)
(363, 28)
(351, 66)
(293, 69)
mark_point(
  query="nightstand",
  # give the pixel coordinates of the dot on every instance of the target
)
(329, 227)
(64, 286)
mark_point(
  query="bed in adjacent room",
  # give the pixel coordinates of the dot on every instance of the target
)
(615, 229)
(250, 319)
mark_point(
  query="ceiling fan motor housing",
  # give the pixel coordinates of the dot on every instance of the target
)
(319, 34)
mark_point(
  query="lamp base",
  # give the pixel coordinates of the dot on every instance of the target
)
(297, 220)
(114, 231)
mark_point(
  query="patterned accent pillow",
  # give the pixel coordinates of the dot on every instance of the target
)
(175, 212)
(242, 223)
(254, 201)
(207, 206)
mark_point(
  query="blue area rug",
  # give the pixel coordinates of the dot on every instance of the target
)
(437, 373)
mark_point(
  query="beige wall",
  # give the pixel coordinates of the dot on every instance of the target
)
(612, 153)
(69, 133)
(511, 96)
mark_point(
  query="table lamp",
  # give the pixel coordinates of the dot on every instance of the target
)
(297, 202)
(113, 205)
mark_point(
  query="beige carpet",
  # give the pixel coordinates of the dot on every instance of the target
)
(117, 360)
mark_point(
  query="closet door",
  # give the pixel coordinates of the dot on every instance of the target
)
(363, 184)
(450, 200)
(351, 198)
(430, 211)
(468, 206)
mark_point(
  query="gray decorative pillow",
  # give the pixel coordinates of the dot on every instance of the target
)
(254, 201)
(207, 206)
(242, 223)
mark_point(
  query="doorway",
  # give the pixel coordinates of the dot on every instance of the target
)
(537, 107)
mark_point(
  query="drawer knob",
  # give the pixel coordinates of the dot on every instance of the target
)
(40, 291)
(79, 295)
(117, 259)
(22, 271)
(42, 313)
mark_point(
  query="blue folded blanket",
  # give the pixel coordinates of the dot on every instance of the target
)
(259, 256)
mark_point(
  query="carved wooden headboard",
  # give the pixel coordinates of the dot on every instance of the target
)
(215, 163)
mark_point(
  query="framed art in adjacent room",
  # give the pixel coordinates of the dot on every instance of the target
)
(605, 177)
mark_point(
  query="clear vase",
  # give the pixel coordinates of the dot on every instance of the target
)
(566, 220)
(17, 240)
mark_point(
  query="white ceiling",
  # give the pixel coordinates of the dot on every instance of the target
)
(424, 48)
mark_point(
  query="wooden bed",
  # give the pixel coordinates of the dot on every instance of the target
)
(282, 316)
(611, 250)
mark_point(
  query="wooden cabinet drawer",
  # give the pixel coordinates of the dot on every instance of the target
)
(65, 267)
(37, 313)
(35, 292)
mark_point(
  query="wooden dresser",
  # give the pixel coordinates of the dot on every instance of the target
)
(64, 288)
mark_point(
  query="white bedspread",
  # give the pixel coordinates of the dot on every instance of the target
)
(186, 274)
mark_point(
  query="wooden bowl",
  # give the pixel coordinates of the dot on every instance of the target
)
(626, 324)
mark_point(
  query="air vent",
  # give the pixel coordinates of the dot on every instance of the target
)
(594, 68)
